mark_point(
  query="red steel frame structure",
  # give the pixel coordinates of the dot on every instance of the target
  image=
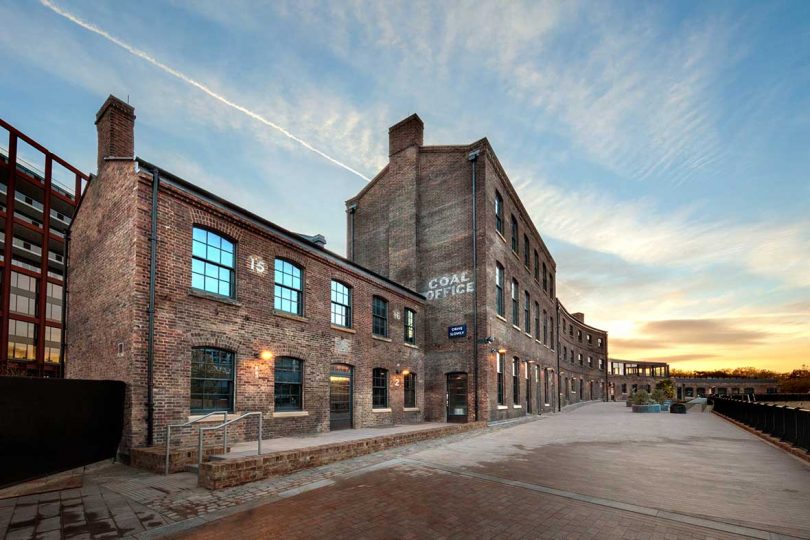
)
(18, 174)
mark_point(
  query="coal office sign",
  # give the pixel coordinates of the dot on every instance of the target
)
(459, 330)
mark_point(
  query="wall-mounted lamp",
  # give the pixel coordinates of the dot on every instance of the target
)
(264, 355)
(502, 350)
(406, 372)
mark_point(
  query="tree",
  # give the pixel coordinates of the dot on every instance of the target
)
(667, 386)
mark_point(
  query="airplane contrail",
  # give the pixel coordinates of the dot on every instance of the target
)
(185, 78)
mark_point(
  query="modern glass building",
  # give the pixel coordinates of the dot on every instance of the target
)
(38, 198)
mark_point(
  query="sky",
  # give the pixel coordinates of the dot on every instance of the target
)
(662, 149)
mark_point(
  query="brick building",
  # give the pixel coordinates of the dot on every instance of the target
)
(446, 221)
(626, 377)
(583, 355)
(40, 192)
(229, 311)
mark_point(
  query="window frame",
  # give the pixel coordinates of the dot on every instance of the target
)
(409, 323)
(347, 307)
(375, 317)
(379, 375)
(536, 266)
(409, 390)
(499, 212)
(527, 312)
(500, 305)
(231, 381)
(526, 251)
(515, 303)
(515, 380)
(500, 363)
(277, 384)
(515, 241)
(219, 265)
(280, 285)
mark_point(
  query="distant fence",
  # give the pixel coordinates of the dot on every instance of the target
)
(788, 424)
(782, 397)
(53, 425)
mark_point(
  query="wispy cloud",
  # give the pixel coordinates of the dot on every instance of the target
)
(196, 84)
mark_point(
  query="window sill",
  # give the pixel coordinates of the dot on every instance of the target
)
(410, 409)
(500, 235)
(502, 407)
(381, 338)
(344, 329)
(214, 418)
(215, 297)
(290, 414)
(501, 318)
(381, 410)
(516, 327)
(528, 335)
(290, 316)
(517, 406)
(411, 345)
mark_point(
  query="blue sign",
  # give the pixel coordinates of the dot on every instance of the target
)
(460, 330)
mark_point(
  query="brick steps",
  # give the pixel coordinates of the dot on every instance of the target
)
(221, 472)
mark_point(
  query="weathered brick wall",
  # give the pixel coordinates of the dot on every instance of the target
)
(574, 341)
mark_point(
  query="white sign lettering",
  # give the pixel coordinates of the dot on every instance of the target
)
(257, 265)
(449, 285)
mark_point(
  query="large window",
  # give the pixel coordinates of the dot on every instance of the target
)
(536, 266)
(341, 304)
(53, 344)
(515, 241)
(516, 381)
(23, 299)
(498, 212)
(545, 277)
(410, 326)
(289, 291)
(212, 374)
(53, 305)
(551, 285)
(212, 263)
(515, 304)
(499, 290)
(379, 388)
(545, 387)
(536, 320)
(526, 251)
(545, 327)
(527, 317)
(500, 361)
(409, 384)
(551, 332)
(289, 384)
(22, 340)
(379, 316)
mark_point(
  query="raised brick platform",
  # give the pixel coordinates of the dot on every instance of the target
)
(153, 459)
(229, 472)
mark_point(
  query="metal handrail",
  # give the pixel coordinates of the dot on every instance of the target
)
(170, 426)
(224, 426)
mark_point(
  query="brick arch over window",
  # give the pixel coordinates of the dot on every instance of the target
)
(218, 341)
(217, 225)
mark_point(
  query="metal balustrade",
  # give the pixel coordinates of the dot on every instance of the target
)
(788, 424)
(186, 424)
(224, 426)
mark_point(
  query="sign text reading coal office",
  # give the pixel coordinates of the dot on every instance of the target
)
(449, 285)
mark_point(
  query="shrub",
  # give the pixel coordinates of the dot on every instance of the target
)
(668, 386)
(641, 398)
(659, 396)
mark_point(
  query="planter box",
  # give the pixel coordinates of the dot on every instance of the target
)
(654, 408)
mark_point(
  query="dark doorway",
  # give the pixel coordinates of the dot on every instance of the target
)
(528, 389)
(340, 397)
(457, 397)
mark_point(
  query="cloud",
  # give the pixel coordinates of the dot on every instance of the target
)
(701, 331)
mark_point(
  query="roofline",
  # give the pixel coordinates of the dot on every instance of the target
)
(281, 231)
(559, 302)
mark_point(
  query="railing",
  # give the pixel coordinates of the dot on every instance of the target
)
(224, 427)
(782, 397)
(788, 424)
(169, 431)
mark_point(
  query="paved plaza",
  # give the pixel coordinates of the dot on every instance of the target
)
(597, 472)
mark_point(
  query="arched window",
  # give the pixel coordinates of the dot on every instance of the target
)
(379, 388)
(341, 304)
(409, 383)
(212, 380)
(289, 387)
(212, 263)
(289, 291)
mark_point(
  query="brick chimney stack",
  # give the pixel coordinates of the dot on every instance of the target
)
(579, 316)
(404, 134)
(115, 122)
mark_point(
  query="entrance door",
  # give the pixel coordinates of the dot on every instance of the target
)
(457, 397)
(528, 391)
(340, 397)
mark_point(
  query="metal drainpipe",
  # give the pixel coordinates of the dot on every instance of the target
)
(352, 209)
(150, 339)
(559, 379)
(65, 304)
(473, 158)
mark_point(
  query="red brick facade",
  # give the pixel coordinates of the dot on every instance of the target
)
(414, 223)
(108, 290)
